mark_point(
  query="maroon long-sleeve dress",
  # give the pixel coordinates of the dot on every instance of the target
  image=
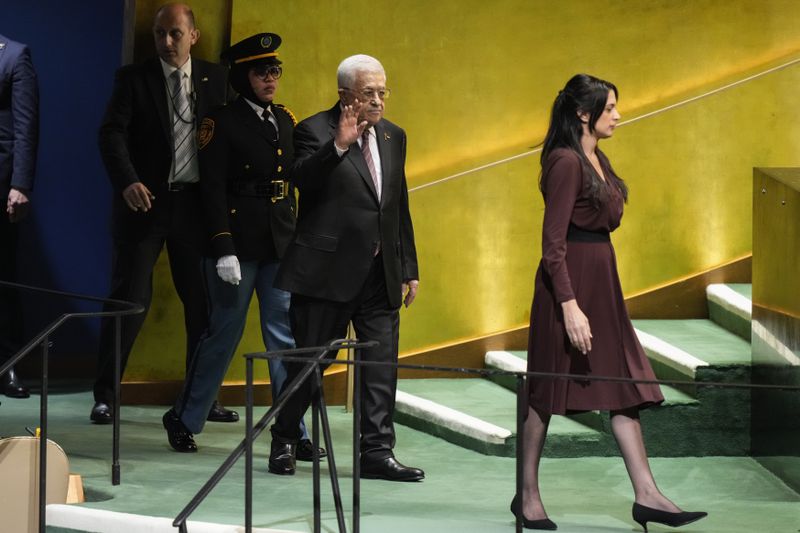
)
(584, 269)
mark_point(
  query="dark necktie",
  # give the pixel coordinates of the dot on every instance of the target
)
(272, 133)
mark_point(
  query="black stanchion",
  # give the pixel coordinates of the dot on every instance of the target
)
(115, 469)
(356, 445)
(43, 439)
(522, 408)
(248, 457)
(337, 495)
(316, 466)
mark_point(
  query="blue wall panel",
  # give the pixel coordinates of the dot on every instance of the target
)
(65, 244)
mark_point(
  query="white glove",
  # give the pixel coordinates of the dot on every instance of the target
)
(228, 269)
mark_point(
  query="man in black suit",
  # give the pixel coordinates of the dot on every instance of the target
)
(353, 257)
(148, 145)
(19, 139)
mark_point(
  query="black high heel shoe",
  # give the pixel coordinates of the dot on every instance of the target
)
(542, 523)
(643, 515)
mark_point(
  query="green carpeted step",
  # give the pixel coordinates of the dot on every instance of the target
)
(730, 305)
(481, 415)
(726, 356)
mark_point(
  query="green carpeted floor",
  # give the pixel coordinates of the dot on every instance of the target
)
(465, 492)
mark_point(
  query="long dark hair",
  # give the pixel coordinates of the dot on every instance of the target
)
(582, 94)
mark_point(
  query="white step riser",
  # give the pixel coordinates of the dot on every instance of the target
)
(450, 418)
(730, 300)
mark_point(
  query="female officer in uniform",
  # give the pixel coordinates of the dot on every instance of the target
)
(245, 149)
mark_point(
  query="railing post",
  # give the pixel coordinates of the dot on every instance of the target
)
(117, 407)
(522, 406)
(43, 437)
(356, 443)
(326, 431)
(248, 456)
(316, 469)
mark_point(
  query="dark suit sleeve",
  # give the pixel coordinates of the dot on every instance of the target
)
(408, 249)
(114, 133)
(25, 109)
(314, 160)
(214, 153)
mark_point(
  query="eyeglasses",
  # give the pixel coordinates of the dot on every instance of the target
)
(371, 94)
(265, 71)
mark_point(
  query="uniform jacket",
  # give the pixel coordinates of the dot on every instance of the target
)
(135, 137)
(340, 219)
(238, 162)
(19, 117)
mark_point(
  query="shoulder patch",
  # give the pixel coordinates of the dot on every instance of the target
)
(286, 109)
(205, 133)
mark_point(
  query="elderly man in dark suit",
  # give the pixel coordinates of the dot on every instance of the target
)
(19, 138)
(149, 147)
(353, 257)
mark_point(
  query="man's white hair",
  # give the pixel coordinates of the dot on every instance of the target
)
(346, 73)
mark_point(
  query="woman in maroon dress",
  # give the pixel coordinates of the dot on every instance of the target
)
(579, 324)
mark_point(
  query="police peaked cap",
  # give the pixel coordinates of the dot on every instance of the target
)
(259, 48)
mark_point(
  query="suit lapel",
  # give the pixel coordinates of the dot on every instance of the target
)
(157, 87)
(200, 88)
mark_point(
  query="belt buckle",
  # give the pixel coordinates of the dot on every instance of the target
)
(280, 190)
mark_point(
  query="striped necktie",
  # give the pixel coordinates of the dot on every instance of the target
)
(185, 144)
(370, 163)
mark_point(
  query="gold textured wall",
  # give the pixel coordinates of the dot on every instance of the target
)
(473, 82)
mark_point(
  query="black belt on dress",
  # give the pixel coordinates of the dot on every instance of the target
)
(274, 189)
(576, 234)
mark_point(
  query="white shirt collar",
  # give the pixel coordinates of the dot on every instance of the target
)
(258, 109)
(168, 69)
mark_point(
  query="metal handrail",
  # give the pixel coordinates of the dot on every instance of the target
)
(42, 338)
(313, 364)
(252, 432)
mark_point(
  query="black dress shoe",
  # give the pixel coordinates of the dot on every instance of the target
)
(102, 413)
(180, 438)
(643, 515)
(542, 523)
(390, 470)
(12, 386)
(220, 414)
(281, 458)
(305, 451)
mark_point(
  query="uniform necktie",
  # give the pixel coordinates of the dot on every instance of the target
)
(370, 163)
(182, 131)
(272, 133)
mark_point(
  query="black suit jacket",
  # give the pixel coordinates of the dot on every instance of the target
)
(340, 219)
(19, 117)
(238, 162)
(135, 137)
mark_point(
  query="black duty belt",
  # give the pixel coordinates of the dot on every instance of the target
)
(576, 234)
(274, 190)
